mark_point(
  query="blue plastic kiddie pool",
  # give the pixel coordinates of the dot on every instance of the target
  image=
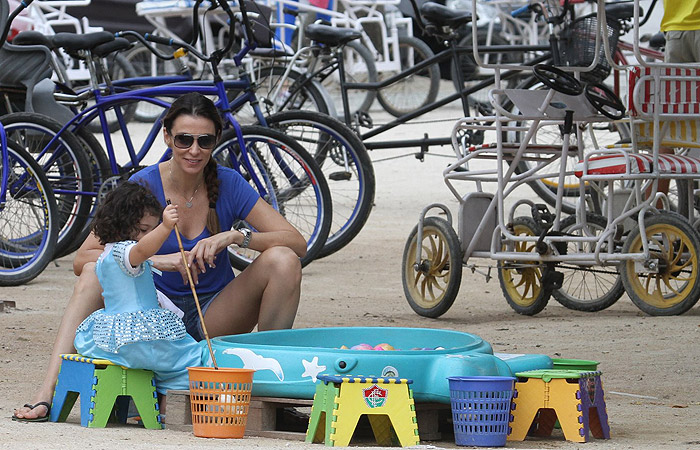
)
(288, 362)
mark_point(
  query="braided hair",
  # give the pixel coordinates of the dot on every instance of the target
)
(197, 105)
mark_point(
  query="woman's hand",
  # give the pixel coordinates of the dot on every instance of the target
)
(173, 263)
(204, 252)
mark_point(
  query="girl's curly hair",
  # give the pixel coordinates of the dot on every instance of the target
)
(118, 216)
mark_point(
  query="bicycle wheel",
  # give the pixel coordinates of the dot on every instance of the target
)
(359, 68)
(291, 182)
(671, 285)
(28, 225)
(587, 287)
(413, 91)
(277, 93)
(522, 281)
(65, 165)
(345, 165)
(432, 287)
(101, 172)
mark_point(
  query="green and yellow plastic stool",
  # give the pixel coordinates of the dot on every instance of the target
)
(574, 397)
(341, 400)
(100, 384)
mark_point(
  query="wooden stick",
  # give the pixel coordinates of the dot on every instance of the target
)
(194, 293)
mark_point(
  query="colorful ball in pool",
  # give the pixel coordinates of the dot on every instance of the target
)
(384, 346)
(362, 346)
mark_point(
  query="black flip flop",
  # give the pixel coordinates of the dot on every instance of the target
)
(38, 419)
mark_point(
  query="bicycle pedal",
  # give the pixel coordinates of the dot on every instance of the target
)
(363, 119)
(541, 215)
(340, 176)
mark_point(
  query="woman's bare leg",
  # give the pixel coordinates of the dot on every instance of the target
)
(86, 298)
(266, 293)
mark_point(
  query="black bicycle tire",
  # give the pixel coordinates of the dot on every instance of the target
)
(348, 230)
(311, 168)
(101, 170)
(434, 76)
(71, 219)
(369, 95)
(31, 268)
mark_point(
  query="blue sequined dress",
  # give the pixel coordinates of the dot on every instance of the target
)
(132, 330)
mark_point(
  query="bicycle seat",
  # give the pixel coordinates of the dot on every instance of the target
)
(620, 11)
(73, 42)
(33, 38)
(116, 45)
(443, 16)
(332, 36)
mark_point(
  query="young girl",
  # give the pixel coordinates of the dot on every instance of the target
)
(132, 330)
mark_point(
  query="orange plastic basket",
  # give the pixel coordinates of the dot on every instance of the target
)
(220, 400)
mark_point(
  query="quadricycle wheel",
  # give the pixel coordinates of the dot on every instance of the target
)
(587, 287)
(431, 286)
(524, 283)
(668, 282)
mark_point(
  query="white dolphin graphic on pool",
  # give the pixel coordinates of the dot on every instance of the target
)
(252, 360)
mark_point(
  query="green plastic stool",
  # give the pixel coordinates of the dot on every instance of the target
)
(574, 364)
(101, 385)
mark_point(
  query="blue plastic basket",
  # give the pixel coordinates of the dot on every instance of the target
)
(481, 409)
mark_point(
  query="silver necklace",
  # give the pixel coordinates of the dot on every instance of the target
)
(170, 170)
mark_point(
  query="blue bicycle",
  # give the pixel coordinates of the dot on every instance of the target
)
(28, 211)
(279, 168)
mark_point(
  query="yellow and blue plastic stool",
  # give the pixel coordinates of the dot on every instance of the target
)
(341, 400)
(101, 384)
(573, 397)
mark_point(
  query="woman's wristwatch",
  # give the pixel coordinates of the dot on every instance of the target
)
(246, 237)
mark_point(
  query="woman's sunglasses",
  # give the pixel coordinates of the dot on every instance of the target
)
(204, 141)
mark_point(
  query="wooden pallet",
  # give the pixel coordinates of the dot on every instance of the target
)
(7, 304)
(267, 417)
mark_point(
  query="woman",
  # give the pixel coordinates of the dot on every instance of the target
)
(210, 199)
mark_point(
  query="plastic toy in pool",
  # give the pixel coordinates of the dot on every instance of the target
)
(287, 362)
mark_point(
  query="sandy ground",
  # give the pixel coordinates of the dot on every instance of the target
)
(650, 364)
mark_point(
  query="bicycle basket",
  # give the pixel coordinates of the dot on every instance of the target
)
(579, 47)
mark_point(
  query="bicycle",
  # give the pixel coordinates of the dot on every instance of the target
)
(391, 48)
(280, 169)
(69, 70)
(341, 155)
(442, 24)
(28, 211)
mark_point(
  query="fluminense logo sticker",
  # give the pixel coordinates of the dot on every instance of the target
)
(374, 396)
